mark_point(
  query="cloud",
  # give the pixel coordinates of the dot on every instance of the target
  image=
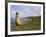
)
(25, 10)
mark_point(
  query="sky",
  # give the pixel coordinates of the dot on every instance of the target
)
(25, 10)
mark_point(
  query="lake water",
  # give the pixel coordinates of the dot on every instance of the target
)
(13, 23)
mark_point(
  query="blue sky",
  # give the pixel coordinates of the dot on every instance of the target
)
(25, 10)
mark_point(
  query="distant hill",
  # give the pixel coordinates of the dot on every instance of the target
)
(31, 17)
